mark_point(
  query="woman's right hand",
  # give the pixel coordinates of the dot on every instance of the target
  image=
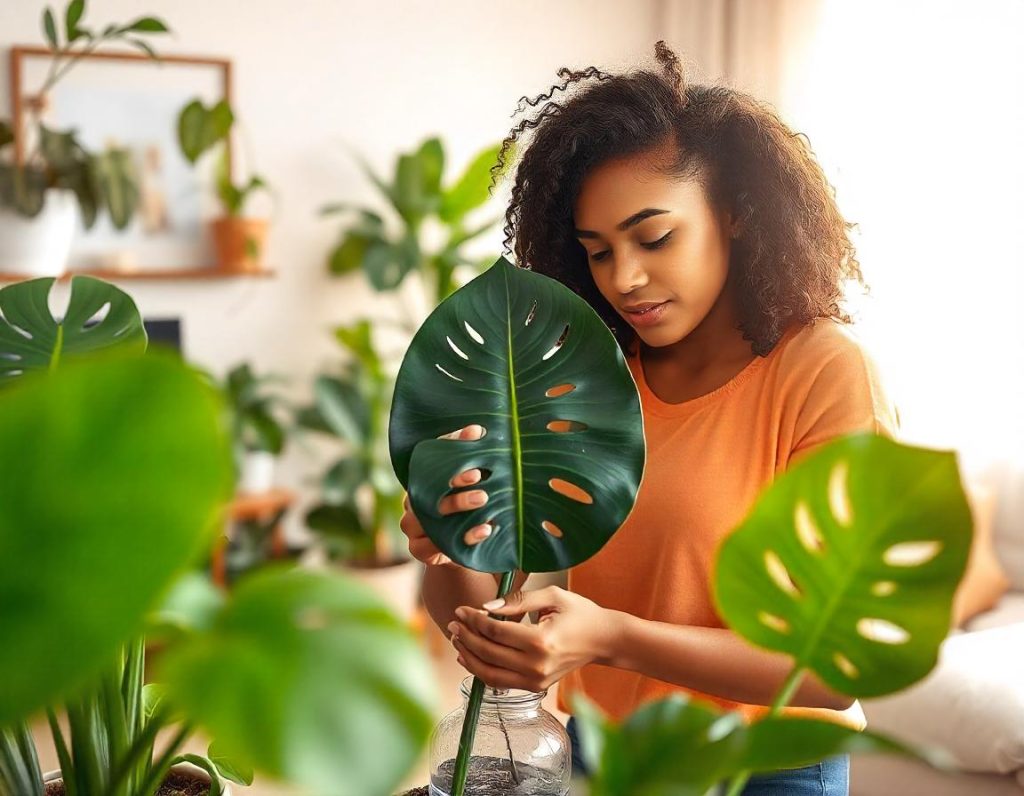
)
(420, 544)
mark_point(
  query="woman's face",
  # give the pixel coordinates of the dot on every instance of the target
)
(651, 238)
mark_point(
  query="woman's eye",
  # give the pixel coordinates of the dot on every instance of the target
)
(598, 256)
(657, 244)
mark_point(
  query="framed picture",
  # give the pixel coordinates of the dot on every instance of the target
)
(132, 101)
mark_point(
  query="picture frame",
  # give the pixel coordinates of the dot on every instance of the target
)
(133, 101)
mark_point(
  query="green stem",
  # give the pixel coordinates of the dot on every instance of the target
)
(141, 751)
(781, 699)
(469, 723)
(163, 764)
(67, 771)
(113, 718)
(19, 764)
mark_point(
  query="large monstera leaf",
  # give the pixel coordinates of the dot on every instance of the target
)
(563, 450)
(32, 339)
(115, 474)
(849, 563)
(309, 678)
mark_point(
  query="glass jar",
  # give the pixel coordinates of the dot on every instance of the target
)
(519, 750)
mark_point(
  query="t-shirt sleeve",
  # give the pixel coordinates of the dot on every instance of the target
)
(844, 396)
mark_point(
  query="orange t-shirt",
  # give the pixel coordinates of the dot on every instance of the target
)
(707, 460)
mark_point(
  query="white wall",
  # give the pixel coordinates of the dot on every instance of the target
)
(314, 75)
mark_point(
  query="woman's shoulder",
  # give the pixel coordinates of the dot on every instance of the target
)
(833, 383)
(823, 344)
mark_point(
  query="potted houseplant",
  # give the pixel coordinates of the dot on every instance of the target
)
(304, 676)
(57, 180)
(238, 239)
(356, 518)
(521, 355)
(259, 435)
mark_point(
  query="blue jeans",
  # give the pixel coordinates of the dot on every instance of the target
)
(830, 777)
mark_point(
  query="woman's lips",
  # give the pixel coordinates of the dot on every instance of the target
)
(646, 317)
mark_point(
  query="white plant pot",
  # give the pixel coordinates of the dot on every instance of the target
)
(257, 472)
(39, 246)
(186, 769)
(398, 585)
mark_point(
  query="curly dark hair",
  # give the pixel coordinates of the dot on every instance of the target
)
(793, 251)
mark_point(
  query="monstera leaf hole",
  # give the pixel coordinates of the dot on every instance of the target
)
(566, 426)
(557, 346)
(551, 528)
(911, 554)
(571, 491)
(561, 389)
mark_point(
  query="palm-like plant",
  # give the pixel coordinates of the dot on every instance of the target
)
(418, 199)
(353, 407)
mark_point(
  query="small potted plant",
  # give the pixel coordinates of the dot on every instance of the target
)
(306, 677)
(259, 435)
(56, 180)
(238, 239)
(356, 518)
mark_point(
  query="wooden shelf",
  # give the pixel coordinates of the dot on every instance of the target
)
(166, 274)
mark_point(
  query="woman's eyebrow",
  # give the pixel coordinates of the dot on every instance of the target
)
(632, 221)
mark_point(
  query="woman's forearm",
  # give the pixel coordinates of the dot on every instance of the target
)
(714, 661)
(447, 587)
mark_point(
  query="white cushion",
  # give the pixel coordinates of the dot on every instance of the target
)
(972, 703)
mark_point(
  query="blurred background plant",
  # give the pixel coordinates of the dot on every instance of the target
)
(433, 223)
(54, 160)
(425, 227)
(238, 238)
(357, 517)
(258, 431)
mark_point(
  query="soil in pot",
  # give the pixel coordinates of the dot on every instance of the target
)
(175, 784)
(493, 776)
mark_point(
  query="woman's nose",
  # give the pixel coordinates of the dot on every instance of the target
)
(627, 275)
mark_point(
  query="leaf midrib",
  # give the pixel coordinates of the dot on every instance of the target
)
(517, 453)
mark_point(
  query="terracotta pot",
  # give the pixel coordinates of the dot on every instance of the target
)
(239, 243)
(183, 769)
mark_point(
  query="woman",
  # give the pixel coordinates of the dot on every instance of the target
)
(701, 229)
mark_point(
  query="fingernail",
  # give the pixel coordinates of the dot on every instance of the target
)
(460, 612)
(477, 498)
(453, 628)
(483, 533)
(490, 606)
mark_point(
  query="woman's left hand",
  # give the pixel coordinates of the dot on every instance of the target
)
(571, 632)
